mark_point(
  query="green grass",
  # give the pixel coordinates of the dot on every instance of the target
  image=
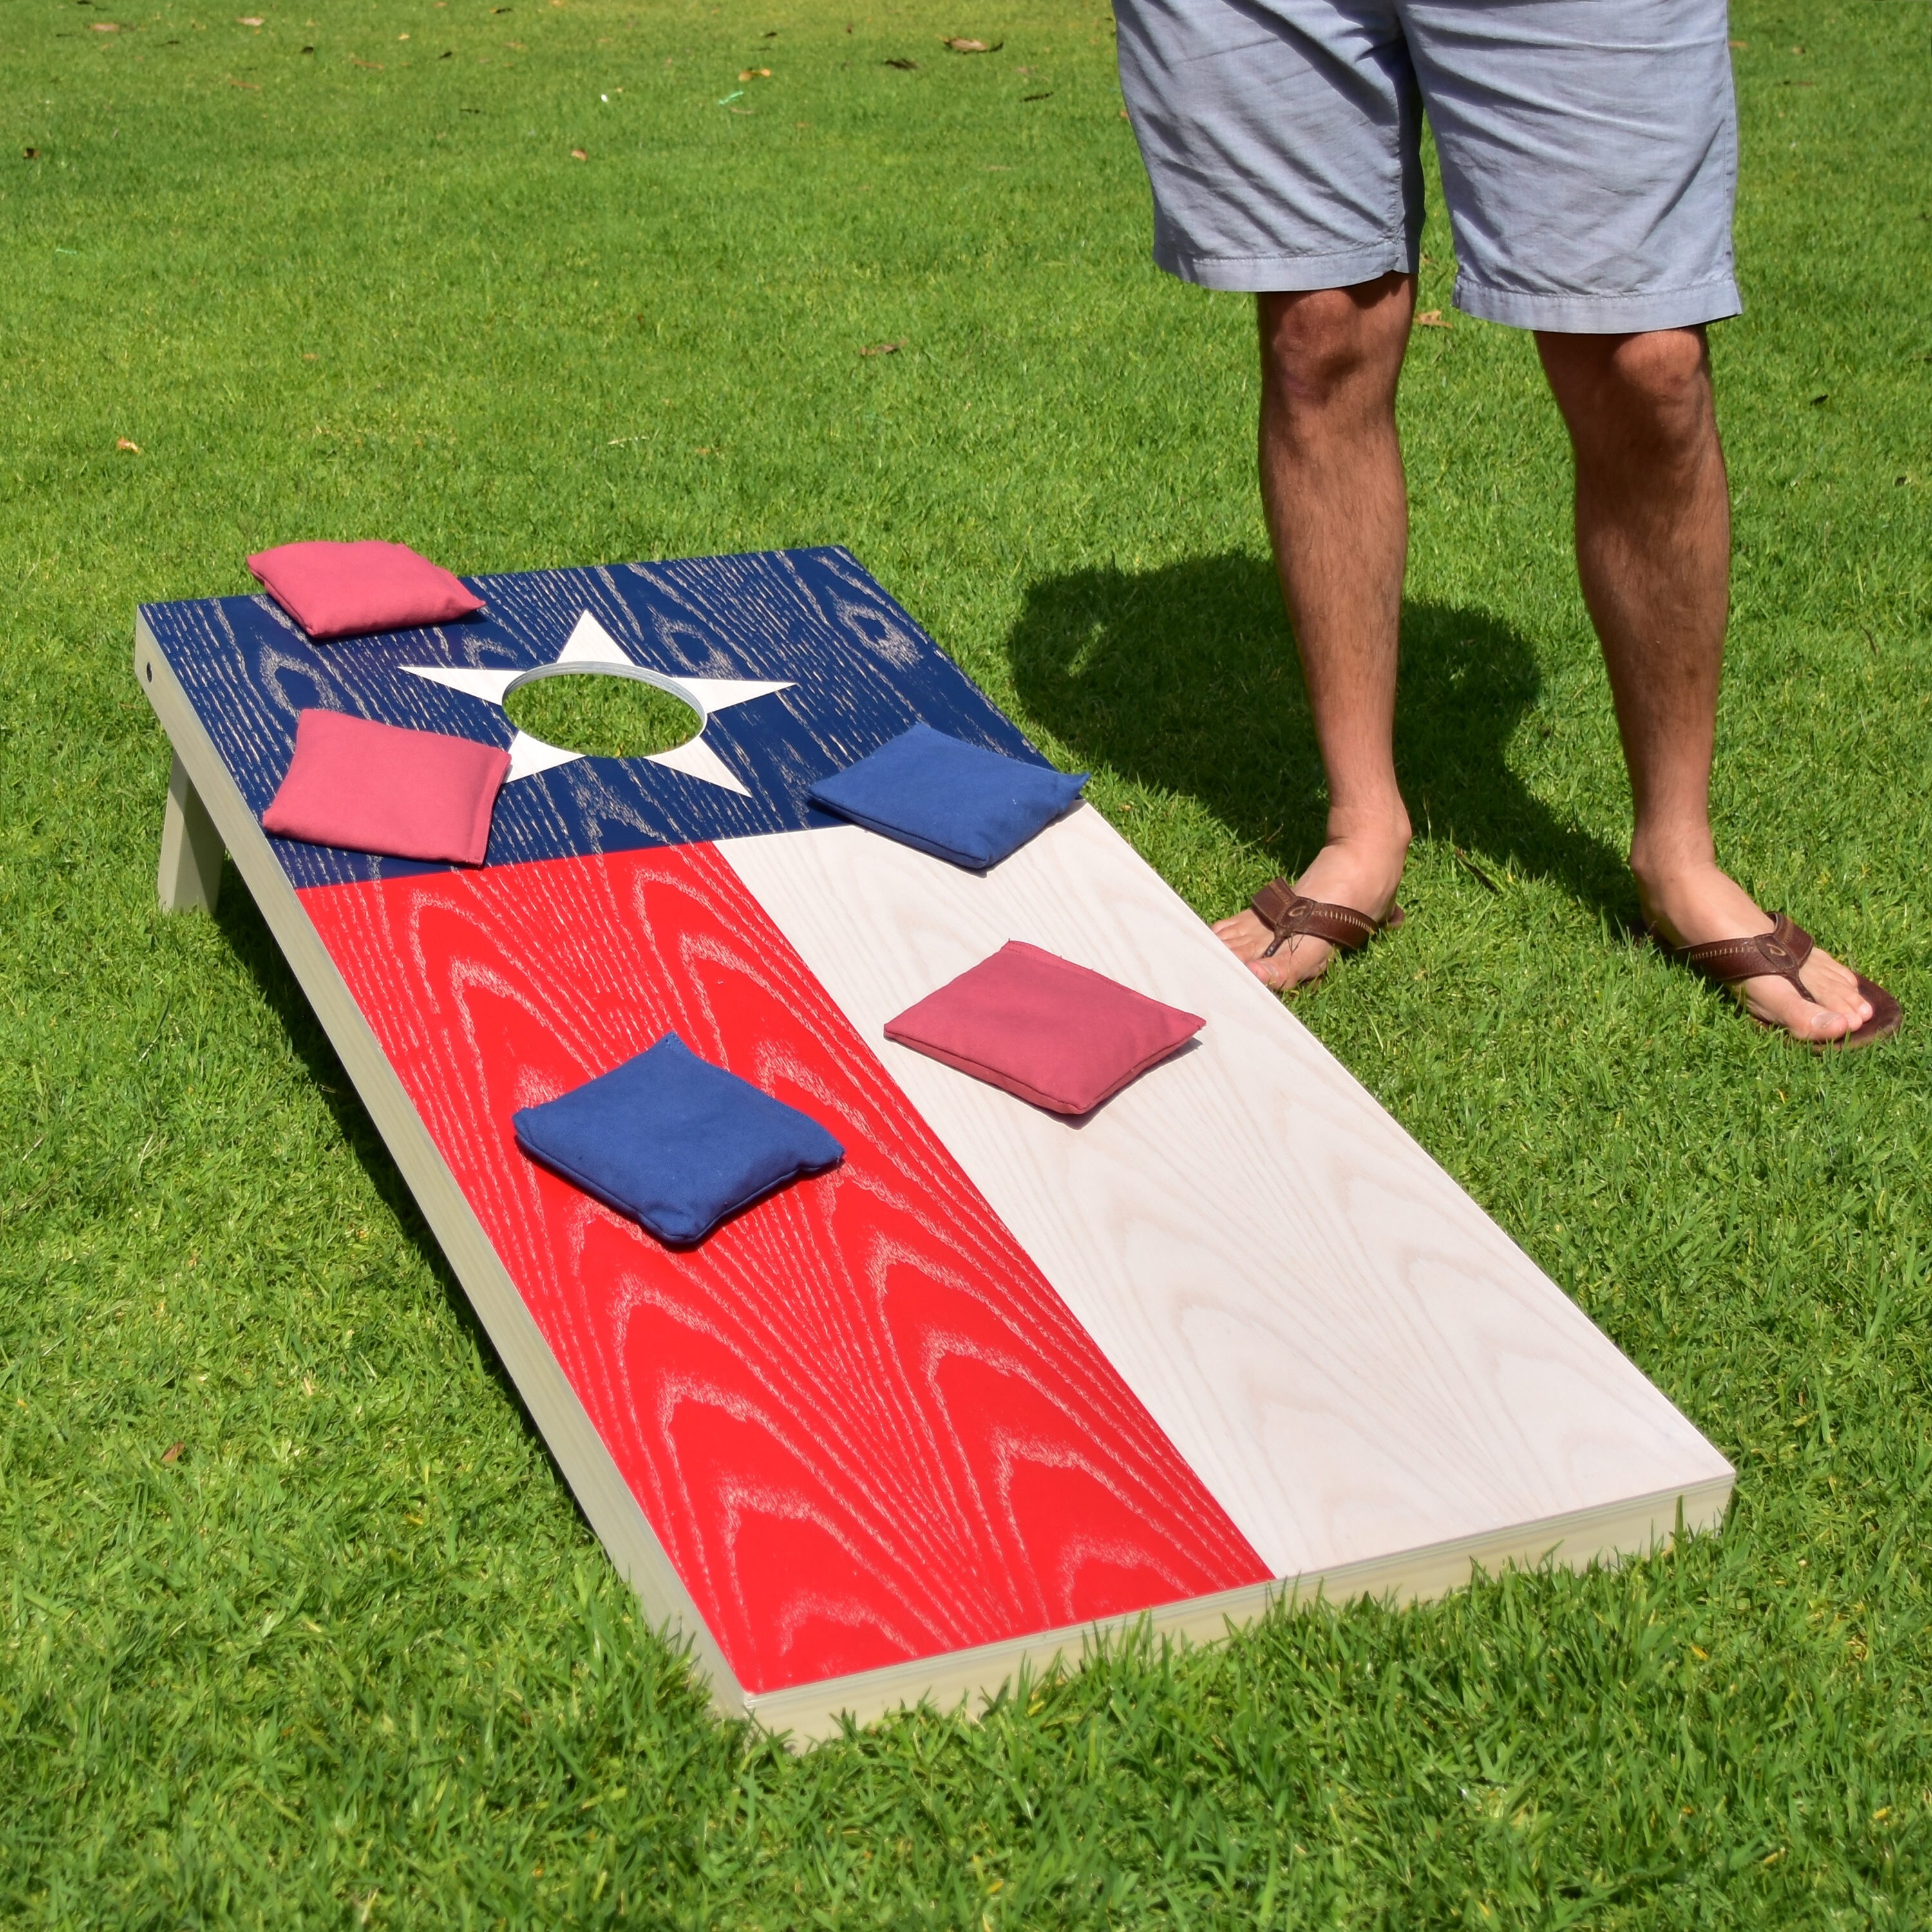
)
(298, 1623)
(607, 717)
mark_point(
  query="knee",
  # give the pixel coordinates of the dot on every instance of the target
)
(1316, 344)
(1664, 377)
(1651, 390)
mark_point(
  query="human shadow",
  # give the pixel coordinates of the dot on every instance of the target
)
(1184, 679)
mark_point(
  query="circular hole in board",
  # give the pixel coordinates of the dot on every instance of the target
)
(601, 714)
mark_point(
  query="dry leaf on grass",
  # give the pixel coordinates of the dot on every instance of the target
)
(756, 73)
(959, 47)
(1431, 318)
(578, 154)
(904, 66)
(885, 348)
(121, 442)
(30, 153)
(172, 1452)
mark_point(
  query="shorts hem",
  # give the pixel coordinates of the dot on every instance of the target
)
(1601, 315)
(1288, 274)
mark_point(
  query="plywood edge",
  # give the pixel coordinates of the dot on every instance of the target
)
(601, 1491)
(1609, 1532)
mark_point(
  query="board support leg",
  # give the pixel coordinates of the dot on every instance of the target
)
(190, 877)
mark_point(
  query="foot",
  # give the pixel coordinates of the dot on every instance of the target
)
(1698, 903)
(1362, 872)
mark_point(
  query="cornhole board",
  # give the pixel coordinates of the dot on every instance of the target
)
(1002, 1378)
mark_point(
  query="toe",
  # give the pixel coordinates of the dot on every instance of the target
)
(1299, 961)
(1835, 985)
(1243, 935)
(1781, 1003)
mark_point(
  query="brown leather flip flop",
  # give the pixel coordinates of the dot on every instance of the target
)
(1288, 915)
(1778, 954)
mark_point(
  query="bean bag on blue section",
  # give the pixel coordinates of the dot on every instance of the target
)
(673, 1141)
(956, 801)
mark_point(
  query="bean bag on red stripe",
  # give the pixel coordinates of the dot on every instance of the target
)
(674, 1142)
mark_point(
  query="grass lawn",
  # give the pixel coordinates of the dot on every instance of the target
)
(298, 1624)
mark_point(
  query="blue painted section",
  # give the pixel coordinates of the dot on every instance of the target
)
(863, 672)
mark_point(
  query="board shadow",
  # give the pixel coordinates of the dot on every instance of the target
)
(241, 925)
(1183, 679)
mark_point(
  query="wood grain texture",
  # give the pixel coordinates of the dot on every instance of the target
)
(861, 1424)
(580, 1452)
(1637, 1526)
(861, 671)
(811, 1708)
(1356, 1361)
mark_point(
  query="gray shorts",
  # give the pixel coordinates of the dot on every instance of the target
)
(1589, 149)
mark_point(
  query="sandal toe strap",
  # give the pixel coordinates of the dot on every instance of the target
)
(1778, 954)
(1289, 914)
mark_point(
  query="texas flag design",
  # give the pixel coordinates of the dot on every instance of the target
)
(998, 1373)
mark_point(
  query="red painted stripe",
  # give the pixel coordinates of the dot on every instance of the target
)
(862, 1423)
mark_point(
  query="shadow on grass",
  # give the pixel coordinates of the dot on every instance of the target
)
(241, 924)
(1184, 679)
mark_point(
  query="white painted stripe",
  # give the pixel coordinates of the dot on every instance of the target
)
(696, 759)
(1355, 1359)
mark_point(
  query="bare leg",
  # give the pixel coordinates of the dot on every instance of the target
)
(1653, 551)
(1338, 515)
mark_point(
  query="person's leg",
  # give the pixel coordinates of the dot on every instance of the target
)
(1653, 552)
(1338, 516)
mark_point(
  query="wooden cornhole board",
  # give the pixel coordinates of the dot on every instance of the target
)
(1000, 1378)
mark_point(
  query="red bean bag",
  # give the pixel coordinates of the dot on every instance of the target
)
(371, 788)
(1062, 1036)
(349, 589)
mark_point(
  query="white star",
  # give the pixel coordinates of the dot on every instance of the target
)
(591, 647)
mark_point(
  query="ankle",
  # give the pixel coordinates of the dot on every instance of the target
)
(1381, 830)
(1661, 866)
(1360, 862)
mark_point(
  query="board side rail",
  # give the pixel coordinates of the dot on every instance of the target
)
(602, 1493)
